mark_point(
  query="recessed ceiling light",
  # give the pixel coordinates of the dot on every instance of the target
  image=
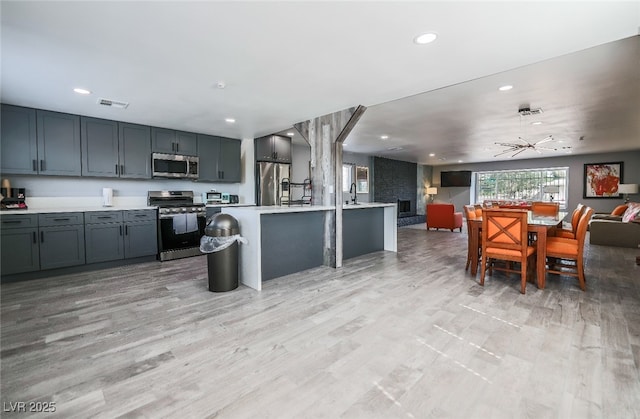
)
(425, 38)
(230, 120)
(384, 137)
(432, 154)
(459, 161)
(82, 91)
(505, 87)
(290, 134)
(221, 85)
(536, 123)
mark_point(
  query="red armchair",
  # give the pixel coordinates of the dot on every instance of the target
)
(443, 216)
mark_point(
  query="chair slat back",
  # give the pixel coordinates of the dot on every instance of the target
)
(581, 231)
(504, 229)
(545, 208)
(575, 217)
(470, 212)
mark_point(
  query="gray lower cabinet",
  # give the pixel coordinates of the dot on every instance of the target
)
(19, 241)
(219, 159)
(18, 140)
(58, 143)
(140, 233)
(114, 235)
(61, 239)
(104, 236)
(173, 142)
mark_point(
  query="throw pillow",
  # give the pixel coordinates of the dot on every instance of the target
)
(632, 211)
(620, 209)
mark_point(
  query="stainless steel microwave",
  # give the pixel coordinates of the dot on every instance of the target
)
(174, 166)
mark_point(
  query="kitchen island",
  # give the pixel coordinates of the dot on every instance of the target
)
(284, 240)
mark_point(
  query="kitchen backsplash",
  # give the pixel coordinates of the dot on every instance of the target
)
(39, 187)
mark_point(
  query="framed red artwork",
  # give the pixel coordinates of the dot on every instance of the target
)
(601, 180)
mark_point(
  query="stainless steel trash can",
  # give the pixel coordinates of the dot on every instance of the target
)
(223, 265)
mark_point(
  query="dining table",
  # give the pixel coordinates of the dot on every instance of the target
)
(536, 224)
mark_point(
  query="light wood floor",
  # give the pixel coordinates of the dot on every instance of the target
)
(406, 335)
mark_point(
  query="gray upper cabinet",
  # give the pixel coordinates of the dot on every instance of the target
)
(134, 151)
(219, 159)
(273, 148)
(58, 144)
(18, 140)
(187, 143)
(173, 142)
(115, 149)
(99, 147)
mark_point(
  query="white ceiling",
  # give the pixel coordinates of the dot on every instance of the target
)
(286, 62)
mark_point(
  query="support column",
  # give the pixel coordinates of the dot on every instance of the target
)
(325, 135)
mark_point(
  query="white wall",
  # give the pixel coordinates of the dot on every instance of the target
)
(358, 160)
(247, 186)
(300, 158)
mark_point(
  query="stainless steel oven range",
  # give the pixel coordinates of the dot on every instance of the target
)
(180, 223)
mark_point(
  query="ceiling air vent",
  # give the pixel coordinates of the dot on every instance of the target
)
(112, 103)
(529, 111)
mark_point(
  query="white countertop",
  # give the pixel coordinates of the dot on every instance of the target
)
(75, 209)
(362, 205)
(228, 205)
(280, 209)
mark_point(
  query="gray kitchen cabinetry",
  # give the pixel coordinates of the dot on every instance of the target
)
(99, 147)
(58, 144)
(18, 140)
(219, 159)
(273, 148)
(134, 151)
(115, 149)
(19, 241)
(61, 239)
(114, 235)
(173, 142)
(104, 236)
(140, 233)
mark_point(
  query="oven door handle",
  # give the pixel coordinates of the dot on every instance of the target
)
(166, 216)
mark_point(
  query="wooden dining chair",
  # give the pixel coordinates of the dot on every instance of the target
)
(504, 237)
(547, 209)
(565, 256)
(570, 233)
(470, 214)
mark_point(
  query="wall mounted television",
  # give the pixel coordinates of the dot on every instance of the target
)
(457, 178)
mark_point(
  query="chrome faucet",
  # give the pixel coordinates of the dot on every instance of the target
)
(352, 190)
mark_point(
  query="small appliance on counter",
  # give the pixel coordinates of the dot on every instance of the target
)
(13, 199)
(217, 198)
(212, 197)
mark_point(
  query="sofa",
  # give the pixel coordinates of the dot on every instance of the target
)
(611, 230)
(443, 216)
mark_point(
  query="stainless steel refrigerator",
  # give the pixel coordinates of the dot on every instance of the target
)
(269, 178)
